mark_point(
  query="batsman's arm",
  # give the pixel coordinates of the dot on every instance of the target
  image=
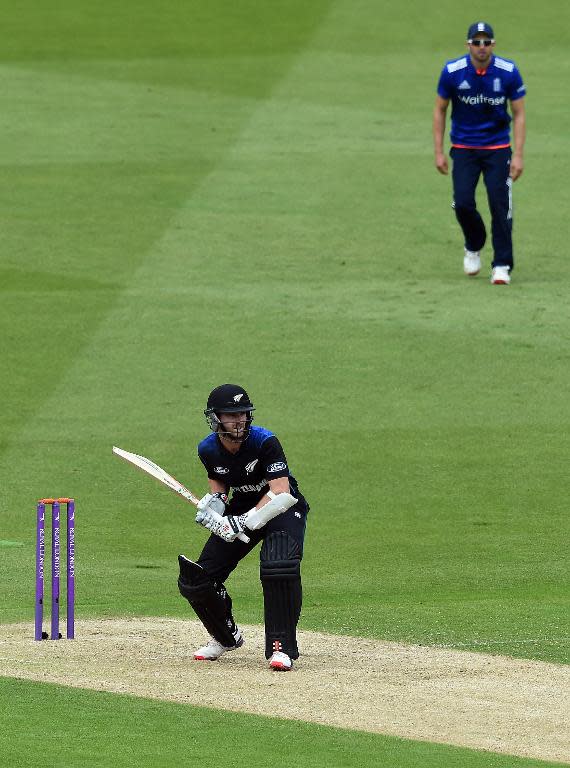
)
(276, 501)
(439, 114)
(276, 486)
(279, 485)
(217, 487)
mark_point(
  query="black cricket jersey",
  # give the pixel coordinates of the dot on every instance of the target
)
(247, 472)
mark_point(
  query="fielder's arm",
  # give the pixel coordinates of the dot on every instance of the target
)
(439, 113)
(519, 136)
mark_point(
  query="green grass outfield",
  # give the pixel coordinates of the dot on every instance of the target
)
(195, 194)
(86, 726)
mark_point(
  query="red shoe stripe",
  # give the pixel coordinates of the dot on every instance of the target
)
(279, 666)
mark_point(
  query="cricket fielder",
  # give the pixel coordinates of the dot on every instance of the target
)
(479, 86)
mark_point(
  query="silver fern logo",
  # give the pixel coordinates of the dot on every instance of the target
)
(251, 466)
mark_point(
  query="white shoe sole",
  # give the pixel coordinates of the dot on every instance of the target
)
(204, 657)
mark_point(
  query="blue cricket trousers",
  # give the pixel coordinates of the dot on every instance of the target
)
(494, 164)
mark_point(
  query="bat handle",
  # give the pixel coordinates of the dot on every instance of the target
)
(244, 538)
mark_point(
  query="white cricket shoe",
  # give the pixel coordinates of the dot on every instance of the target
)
(280, 662)
(213, 649)
(500, 276)
(471, 263)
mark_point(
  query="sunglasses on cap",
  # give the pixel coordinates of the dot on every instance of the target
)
(477, 42)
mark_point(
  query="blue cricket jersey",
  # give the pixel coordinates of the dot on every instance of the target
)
(479, 115)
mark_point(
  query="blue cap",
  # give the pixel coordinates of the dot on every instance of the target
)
(480, 27)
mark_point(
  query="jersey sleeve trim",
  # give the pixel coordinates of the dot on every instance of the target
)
(455, 66)
(508, 66)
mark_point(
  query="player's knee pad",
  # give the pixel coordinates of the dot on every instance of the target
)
(280, 573)
(192, 579)
(280, 557)
(211, 603)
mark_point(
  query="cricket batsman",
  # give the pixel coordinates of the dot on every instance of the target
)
(267, 507)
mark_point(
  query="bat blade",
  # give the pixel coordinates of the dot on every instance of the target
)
(152, 469)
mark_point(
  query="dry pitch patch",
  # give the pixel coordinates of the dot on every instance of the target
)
(474, 700)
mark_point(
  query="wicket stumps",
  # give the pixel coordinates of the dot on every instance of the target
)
(55, 567)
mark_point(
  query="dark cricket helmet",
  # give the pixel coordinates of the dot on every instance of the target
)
(227, 398)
